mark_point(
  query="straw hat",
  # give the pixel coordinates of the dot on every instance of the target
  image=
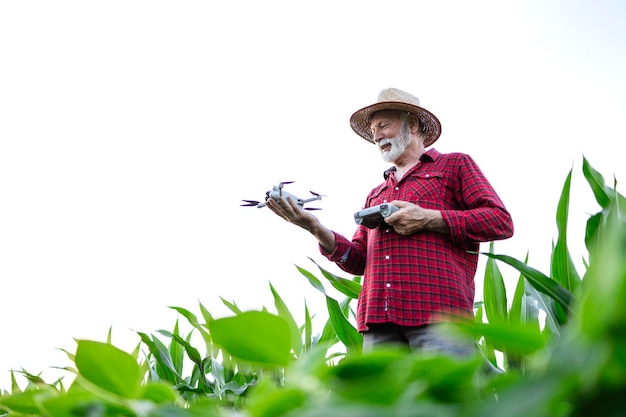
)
(395, 99)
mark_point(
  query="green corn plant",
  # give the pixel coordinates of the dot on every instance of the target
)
(219, 373)
(339, 325)
(552, 294)
(108, 382)
(558, 290)
(521, 319)
(561, 286)
(239, 349)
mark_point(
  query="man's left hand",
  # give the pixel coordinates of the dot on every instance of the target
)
(412, 218)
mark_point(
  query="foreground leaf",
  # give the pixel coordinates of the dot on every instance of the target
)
(254, 336)
(108, 367)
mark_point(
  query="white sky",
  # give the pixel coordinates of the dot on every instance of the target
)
(131, 130)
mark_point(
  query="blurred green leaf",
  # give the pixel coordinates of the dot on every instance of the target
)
(603, 311)
(526, 398)
(520, 339)
(254, 336)
(158, 393)
(369, 378)
(108, 367)
(68, 404)
(26, 402)
(277, 402)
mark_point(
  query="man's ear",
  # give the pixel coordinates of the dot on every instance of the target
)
(414, 123)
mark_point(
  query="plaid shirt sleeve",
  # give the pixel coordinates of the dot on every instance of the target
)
(480, 215)
(349, 255)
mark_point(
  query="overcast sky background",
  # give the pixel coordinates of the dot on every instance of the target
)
(131, 130)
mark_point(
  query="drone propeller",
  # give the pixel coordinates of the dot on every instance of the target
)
(280, 184)
(316, 194)
(311, 208)
(250, 203)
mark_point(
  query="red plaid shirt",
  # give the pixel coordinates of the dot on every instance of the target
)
(413, 280)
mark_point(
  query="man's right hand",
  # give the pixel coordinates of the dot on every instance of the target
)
(290, 211)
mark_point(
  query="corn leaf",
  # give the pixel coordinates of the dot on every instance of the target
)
(308, 328)
(562, 266)
(603, 193)
(24, 403)
(505, 337)
(193, 320)
(109, 368)
(283, 311)
(254, 336)
(231, 306)
(494, 292)
(346, 332)
(602, 303)
(540, 281)
(316, 283)
(516, 314)
(349, 288)
(164, 367)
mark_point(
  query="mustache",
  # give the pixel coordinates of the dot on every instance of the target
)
(384, 141)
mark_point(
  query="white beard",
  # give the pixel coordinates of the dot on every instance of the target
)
(398, 144)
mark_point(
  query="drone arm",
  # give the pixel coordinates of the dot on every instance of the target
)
(308, 200)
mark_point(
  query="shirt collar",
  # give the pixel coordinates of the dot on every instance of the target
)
(432, 154)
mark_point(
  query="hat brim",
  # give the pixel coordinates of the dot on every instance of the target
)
(360, 120)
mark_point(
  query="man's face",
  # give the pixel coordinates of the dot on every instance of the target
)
(391, 134)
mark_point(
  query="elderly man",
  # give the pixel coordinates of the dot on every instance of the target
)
(418, 266)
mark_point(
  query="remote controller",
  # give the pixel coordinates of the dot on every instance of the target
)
(372, 217)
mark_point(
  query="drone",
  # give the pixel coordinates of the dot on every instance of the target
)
(277, 191)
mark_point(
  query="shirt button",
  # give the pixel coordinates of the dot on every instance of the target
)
(386, 256)
(427, 175)
(386, 230)
(388, 285)
(397, 188)
(384, 201)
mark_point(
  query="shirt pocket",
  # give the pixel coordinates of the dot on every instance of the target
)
(427, 189)
(379, 197)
